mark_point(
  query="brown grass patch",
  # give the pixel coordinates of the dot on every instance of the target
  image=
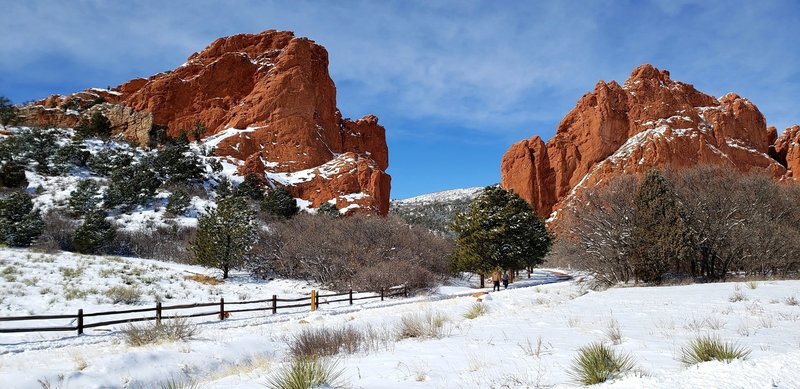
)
(203, 279)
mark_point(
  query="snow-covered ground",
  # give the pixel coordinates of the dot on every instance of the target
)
(528, 338)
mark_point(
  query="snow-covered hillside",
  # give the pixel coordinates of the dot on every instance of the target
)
(528, 337)
(444, 196)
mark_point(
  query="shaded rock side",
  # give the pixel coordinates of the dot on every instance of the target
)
(648, 122)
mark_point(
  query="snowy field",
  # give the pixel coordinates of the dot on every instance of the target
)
(528, 337)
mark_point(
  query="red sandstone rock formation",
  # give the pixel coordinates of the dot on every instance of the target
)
(648, 122)
(276, 88)
(787, 149)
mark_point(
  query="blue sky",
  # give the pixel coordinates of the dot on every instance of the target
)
(455, 83)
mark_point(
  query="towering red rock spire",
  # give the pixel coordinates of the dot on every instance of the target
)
(649, 121)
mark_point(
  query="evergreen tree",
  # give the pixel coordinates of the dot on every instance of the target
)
(85, 197)
(328, 209)
(73, 154)
(251, 188)
(8, 113)
(39, 145)
(93, 234)
(500, 230)
(198, 131)
(176, 163)
(107, 160)
(279, 202)
(660, 236)
(225, 235)
(131, 186)
(224, 188)
(20, 222)
(12, 175)
(178, 202)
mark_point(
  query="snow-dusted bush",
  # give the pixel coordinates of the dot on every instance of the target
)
(598, 363)
(476, 310)
(168, 330)
(708, 348)
(421, 325)
(20, 223)
(322, 342)
(124, 294)
(94, 234)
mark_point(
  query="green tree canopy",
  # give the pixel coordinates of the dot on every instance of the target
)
(85, 197)
(8, 113)
(279, 202)
(93, 234)
(225, 235)
(499, 230)
(251, 188)
(20, 222)
(660, 236)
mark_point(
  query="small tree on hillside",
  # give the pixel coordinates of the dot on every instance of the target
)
(251, 188)
(225, 235)
(499, 230)
(93, 234)
(20, 222)
(131, 186)
(178, 202)
(660, 236)
(328, 209)
(85, 197)
(8, 113)
(279, 203)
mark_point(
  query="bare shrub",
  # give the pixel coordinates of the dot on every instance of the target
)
(59, 229)
(124, 294)
(357, 252)
(322, 342)
(613, 332)
(162, 243)
(168, 330)
(421, 326)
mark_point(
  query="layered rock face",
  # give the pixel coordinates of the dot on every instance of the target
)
(270, 104)
(648, 122)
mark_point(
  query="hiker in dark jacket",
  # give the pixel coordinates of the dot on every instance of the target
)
(505, 280)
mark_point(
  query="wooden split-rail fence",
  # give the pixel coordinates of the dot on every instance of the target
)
(222, 311)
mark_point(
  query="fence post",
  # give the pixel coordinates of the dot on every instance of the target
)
(222, 308)
(381, 294)
(313, 300)
(274, 304)
(158, 313)
(351, 296)
(80, 322)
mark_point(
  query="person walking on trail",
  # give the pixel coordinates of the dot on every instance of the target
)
(496, 280)
(505, 280)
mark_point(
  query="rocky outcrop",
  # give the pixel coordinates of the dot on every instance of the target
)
(275, 91)
(787, 150)
(648, 122)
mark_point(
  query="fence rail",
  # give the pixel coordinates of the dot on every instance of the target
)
(312, 301)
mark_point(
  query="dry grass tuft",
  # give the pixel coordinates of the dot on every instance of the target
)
(203, 279)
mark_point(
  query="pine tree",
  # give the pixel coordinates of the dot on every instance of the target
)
(224, 188)
(85, 197)
(107, 160)
(73, 154)
(661, 238)
(251, 188)
(131, 186)
(225, 235)
(8, 113)
(328, 209)
(12, 175)
(93, 234)
(279, 202)
(178, 202)
(176, 163)
(20, 222)
(500, 230)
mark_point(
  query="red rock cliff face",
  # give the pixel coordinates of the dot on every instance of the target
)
(276, 88)
(648, 122)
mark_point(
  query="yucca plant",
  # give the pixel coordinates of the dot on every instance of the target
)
(598, 363)
(476, 310)
(307, 373)
(708, 348)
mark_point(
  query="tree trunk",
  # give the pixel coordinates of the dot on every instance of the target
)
(482, 284)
